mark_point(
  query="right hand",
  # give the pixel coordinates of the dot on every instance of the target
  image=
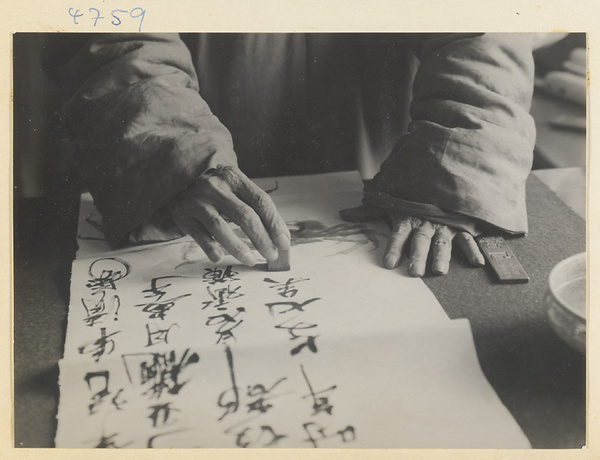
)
(227, 192)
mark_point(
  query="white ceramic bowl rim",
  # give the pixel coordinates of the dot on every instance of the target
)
(570, 269)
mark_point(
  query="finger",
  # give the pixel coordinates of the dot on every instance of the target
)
(221, 188)
(469, 247)
(266, 210)
(197, 231)
(396, 242)
(441, 250)
(419, 248)
(246, 217)
(363, 213)
(204, 239)
(220, 230)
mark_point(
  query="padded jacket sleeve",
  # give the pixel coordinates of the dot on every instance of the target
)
(469, 147)
(140, 129)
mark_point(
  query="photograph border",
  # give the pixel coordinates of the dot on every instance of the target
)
(312, 16)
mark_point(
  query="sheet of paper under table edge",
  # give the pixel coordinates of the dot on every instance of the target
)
(323, 211)
(417, 388)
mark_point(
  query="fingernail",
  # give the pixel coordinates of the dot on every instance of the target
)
(248, 259)
(415, 270)
(282, 242)
(271, 254)
(390, 262)
(479, 260)
(439, 268)
(215, 257)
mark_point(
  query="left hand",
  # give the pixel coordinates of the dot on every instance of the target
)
(423, 237)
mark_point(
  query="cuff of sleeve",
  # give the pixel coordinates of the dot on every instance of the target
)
(425, 211)
(159, 227)
(122, 228)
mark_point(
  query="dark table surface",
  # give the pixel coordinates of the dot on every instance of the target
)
(538, 377)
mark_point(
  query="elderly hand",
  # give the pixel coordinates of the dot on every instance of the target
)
(227, 192)
(423, 237)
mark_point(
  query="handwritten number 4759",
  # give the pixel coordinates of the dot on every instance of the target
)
(116, 16)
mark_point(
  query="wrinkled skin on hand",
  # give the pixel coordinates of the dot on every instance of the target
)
(227, 193)
(424, 238)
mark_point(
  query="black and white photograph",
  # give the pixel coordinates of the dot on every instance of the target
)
(307, 240)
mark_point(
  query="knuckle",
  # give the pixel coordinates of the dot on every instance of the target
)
(464, 237)
(212, 182)
(403, 227)
(245, 217)
(263, 201)
(444, 230)
(213, 221)
(228, 174)
(238, 248)
(422, 234)
(278, 225)
(226, 170)
(415, 221)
